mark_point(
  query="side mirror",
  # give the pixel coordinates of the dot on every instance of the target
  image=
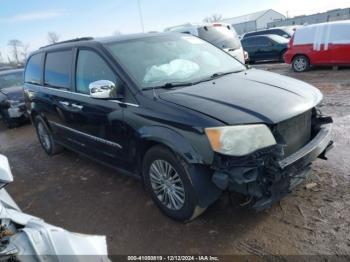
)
(103, 89)
(5, 172)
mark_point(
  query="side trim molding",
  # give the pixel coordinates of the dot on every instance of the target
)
(94, 138)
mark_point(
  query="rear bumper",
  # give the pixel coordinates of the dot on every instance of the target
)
(269, 180)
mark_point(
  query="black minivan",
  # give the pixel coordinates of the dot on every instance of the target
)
(182, 115)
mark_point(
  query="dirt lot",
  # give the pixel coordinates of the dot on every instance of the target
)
(71, 191)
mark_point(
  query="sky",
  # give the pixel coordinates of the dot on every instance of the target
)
(30, 20)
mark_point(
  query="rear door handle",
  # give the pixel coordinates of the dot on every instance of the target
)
(80, 107)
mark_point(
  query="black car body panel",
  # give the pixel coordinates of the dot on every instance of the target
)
(283, 98)
(265, 47)
(119, 132)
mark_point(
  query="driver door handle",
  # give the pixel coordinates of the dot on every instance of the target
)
(80, 107)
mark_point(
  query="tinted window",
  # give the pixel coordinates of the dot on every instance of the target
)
(12, 79)
(34, 69)
(58, 68)
(248, 42)
(263, 41)
(91, 67)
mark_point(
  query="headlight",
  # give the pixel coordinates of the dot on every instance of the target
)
(239, 140)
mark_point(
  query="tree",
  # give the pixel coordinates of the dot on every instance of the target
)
(52, 37)
(1, 59)
(24, 52)
(213, 18)
(15, 46)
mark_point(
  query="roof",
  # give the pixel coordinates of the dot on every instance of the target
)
(103, 40)
(194, 25)
(245, 18)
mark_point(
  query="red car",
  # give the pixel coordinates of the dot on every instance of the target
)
(320, 44)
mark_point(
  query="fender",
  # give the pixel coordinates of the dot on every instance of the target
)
(172, 139)
(200, 173)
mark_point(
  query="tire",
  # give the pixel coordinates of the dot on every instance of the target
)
(9, 123)
(300, 63)
(177, 203)
(45, 137)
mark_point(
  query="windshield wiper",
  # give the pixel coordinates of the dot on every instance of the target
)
(217, 75)
(168, 85)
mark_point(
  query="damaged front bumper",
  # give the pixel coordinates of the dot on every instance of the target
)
(265, 176)
(18, 111)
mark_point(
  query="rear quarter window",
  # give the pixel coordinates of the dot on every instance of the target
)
(58, 66)
(34, 69)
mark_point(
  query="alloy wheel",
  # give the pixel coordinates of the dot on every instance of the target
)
(167, 185)
(300, 64)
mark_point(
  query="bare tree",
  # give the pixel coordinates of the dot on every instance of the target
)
(213, 18)
(52, 37)
(15, 46)
(1, 59)
(24, 52)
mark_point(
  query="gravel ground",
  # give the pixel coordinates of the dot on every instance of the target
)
(71, 191)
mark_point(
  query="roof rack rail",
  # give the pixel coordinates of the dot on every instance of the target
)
(69, 41)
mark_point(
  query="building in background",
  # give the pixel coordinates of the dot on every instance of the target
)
(255, 21)
(331, 15)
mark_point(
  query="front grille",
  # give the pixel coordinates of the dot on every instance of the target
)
(294, 133)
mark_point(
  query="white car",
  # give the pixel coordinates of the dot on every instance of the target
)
(221, 35)
(25, 236)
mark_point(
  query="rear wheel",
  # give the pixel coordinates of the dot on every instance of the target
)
(45, 137)
(167, 179)
(300, 63)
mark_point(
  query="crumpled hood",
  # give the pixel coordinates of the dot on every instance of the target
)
(252, 96)
(13, 93)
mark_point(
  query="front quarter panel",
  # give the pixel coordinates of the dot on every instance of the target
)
(163, 123)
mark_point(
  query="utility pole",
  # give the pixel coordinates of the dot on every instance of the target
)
(141, 17)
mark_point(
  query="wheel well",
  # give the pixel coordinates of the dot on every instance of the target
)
(301, 55)
(34, 114)
(146, 146)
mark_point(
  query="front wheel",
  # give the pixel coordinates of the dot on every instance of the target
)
(167, 179)
(300, 63)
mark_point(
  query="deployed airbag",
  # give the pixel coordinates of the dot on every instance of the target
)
(176, 70)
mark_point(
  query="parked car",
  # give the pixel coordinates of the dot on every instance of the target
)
(265, 48)
(286, 32)
(221, 35)
(12, 107)
(319, 44)
(182, 115)
(23, 235)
